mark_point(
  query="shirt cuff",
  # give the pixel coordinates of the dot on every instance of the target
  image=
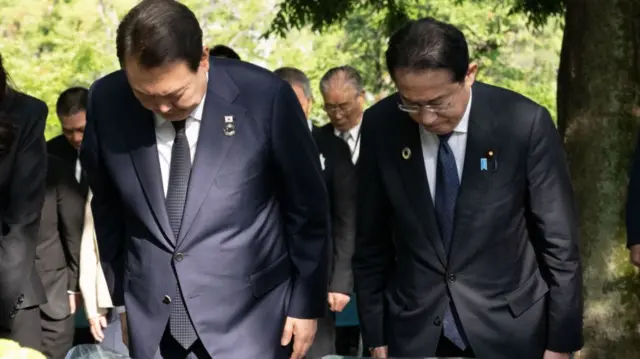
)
(121, 309)
(70, 292)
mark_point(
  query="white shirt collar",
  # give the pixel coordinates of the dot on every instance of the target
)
(354, 131)
(463, 125)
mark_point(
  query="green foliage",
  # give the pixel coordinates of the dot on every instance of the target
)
(50, 45)
(47, 47)
(509, 53)
(322, 14)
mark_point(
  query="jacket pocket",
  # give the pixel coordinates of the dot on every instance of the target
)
(272, 276)
(524, 297)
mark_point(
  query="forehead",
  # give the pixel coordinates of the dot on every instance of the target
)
(78, 119)
(419, 86)
(338, 89)
(160, 80)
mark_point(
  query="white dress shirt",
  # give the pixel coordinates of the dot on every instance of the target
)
(353, 141)
(457, 142)
(165, 134)
(78, 171)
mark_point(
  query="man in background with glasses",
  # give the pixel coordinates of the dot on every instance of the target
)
(467, 232)
(343, 94)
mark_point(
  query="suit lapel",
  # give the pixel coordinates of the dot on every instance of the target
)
(213, 143)
(480, 140)
(412, 171)
(144, 154)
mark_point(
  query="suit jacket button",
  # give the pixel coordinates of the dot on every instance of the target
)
(178, 257)
(166, 299)
(12, 315)
(437, 321)
(451, 278)
(20, 299)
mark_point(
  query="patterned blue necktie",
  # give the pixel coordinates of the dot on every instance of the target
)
(447, 185)
(180, 325)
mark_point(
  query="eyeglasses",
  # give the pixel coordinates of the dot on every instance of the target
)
(344, 108)
(431, 109)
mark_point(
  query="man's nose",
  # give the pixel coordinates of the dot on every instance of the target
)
(77, 137)
(164, 108)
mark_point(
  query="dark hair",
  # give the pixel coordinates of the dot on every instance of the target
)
(428, 44)
(350, 74)
(296, 77)
(224, 51)
(72, 101)
(7, 130)
(159, 32)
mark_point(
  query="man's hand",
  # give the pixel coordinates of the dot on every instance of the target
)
(74, 301)
(634, 255)
(125, 331)
(96, 324)
(337, 301)
(380, 352)
(302, 331)
(548, 354)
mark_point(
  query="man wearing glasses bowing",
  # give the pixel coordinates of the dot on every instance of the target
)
(467, 233)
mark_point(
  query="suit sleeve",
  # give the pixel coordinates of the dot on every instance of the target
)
(26, 197)
(344, 225)
(304, 203)
(374, 255)
(633, 200)
(70, 207)
(554, 217)
(106, 204)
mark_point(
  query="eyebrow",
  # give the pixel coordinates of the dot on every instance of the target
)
(163, 95)
(423, 103)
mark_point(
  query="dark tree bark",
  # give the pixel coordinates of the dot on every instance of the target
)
(598, 89)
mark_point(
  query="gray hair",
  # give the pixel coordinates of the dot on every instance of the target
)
(296, 77)
(351, 75)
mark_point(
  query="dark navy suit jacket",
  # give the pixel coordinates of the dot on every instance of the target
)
(251, 250)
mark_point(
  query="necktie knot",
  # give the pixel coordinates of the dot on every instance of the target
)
(179, 125)
(346, 135)
(445, 138)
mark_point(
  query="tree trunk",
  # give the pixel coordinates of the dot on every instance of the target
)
(599, 86)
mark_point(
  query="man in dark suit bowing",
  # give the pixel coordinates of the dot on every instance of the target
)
(58, 256)
(71, 109)
(467, 233)
(207, 182)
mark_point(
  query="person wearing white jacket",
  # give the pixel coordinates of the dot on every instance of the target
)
(95, 292)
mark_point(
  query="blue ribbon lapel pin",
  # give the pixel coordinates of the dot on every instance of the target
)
(483, 164)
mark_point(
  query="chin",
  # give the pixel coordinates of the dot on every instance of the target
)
(174, 117)
(440, 129)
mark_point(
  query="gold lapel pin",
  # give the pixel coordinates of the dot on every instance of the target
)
(406, 153)
(229, 128)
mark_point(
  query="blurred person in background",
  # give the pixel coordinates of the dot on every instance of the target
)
(343, 93)
(104, 323)
(339, 176)
(23, 165)
(224, 51)
(57, 256)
